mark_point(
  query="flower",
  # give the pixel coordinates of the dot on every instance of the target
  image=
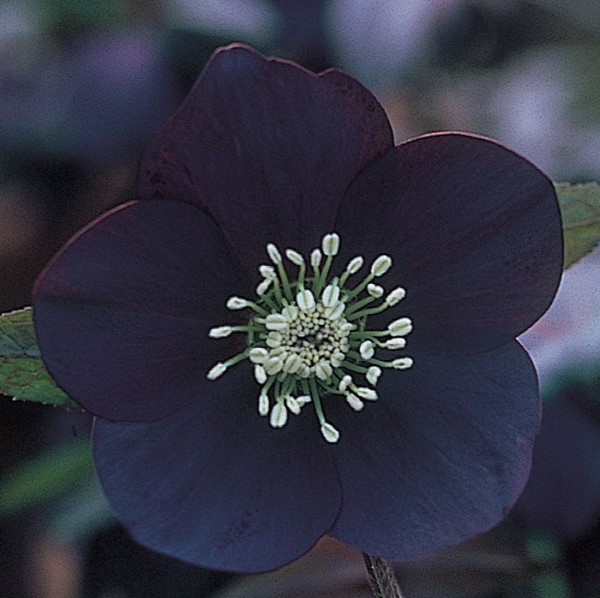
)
(273, 195)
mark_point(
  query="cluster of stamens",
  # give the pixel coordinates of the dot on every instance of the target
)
(308, 339)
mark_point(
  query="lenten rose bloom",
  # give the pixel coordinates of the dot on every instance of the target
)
(299, 329)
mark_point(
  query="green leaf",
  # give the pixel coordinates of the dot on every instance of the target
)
(23, 374)
(43, 478)
(580, 209)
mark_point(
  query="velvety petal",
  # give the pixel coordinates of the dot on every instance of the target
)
(267, 148)
(475, 234)
(215, 485)
(441, 456)
(122, 313)
(562, 495)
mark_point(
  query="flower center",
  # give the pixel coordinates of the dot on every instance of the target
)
(308, 337)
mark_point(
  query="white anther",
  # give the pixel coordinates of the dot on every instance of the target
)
(337, 358)
(323, 370)
(330, 433)
(402, 363)
(236, 303)
(345, 383)
(263, 404)
(400, 327)
(367, 349)
(220, 331)
(331, 244)
(217, 370)
(373, 374)
(304, 371)
(276, 322)
(263, 287)
(305, 300)
(395, 343)
(315, 258)
(292, 364)
(395, 296)
(375, 290)
(273, 365)
(274, 339)
(355, 264)
(333, 313)
(259, 374)
(293, 405)
(346, 328)
(303, 400)
(258, 355)
(330, 296)
(267, 272)
(354, 402)
(366, 393)
(274, 254)
(290, 312)
(294, 257)
(381, 265)
(279, 415)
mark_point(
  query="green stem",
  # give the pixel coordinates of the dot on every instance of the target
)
(382, 578)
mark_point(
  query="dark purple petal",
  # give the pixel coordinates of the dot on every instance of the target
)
(215, 485)
(122, 313)
(441, 456)
(475, 234)
(563, 491)
(267, 148)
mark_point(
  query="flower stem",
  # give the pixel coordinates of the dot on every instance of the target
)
(383, 580)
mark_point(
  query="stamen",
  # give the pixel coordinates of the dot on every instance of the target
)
(307, 337)
(279, 415)
(263, 404)
(400, 327)
(331, 244)
(267, 272)
(217, 370)
(237, 303)
(373, 374)
(330, 433)
(263, 287)
(354, 402)
(305, 300)
(375, 290)
(365, 393)
(220, 331)
(315, 260)
(395, 296)
(403, 363)
(381, 265)
(260, 374)
(274, 254)
(355, 264)
(294, 257)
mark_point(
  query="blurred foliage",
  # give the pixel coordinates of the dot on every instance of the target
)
(22, 371)
(57, 472)
(580, 209)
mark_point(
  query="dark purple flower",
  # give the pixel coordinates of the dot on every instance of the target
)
(137, 320)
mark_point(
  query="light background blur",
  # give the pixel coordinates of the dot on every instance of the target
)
(83, 86)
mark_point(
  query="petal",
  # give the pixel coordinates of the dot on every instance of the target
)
(442, 456)
(215, 485)
(562, 495)
(267, 148)
(122, 313)
(475, 233)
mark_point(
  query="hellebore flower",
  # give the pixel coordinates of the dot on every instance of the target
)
(300, 329)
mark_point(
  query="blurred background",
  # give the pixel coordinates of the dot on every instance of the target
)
(84, 84)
